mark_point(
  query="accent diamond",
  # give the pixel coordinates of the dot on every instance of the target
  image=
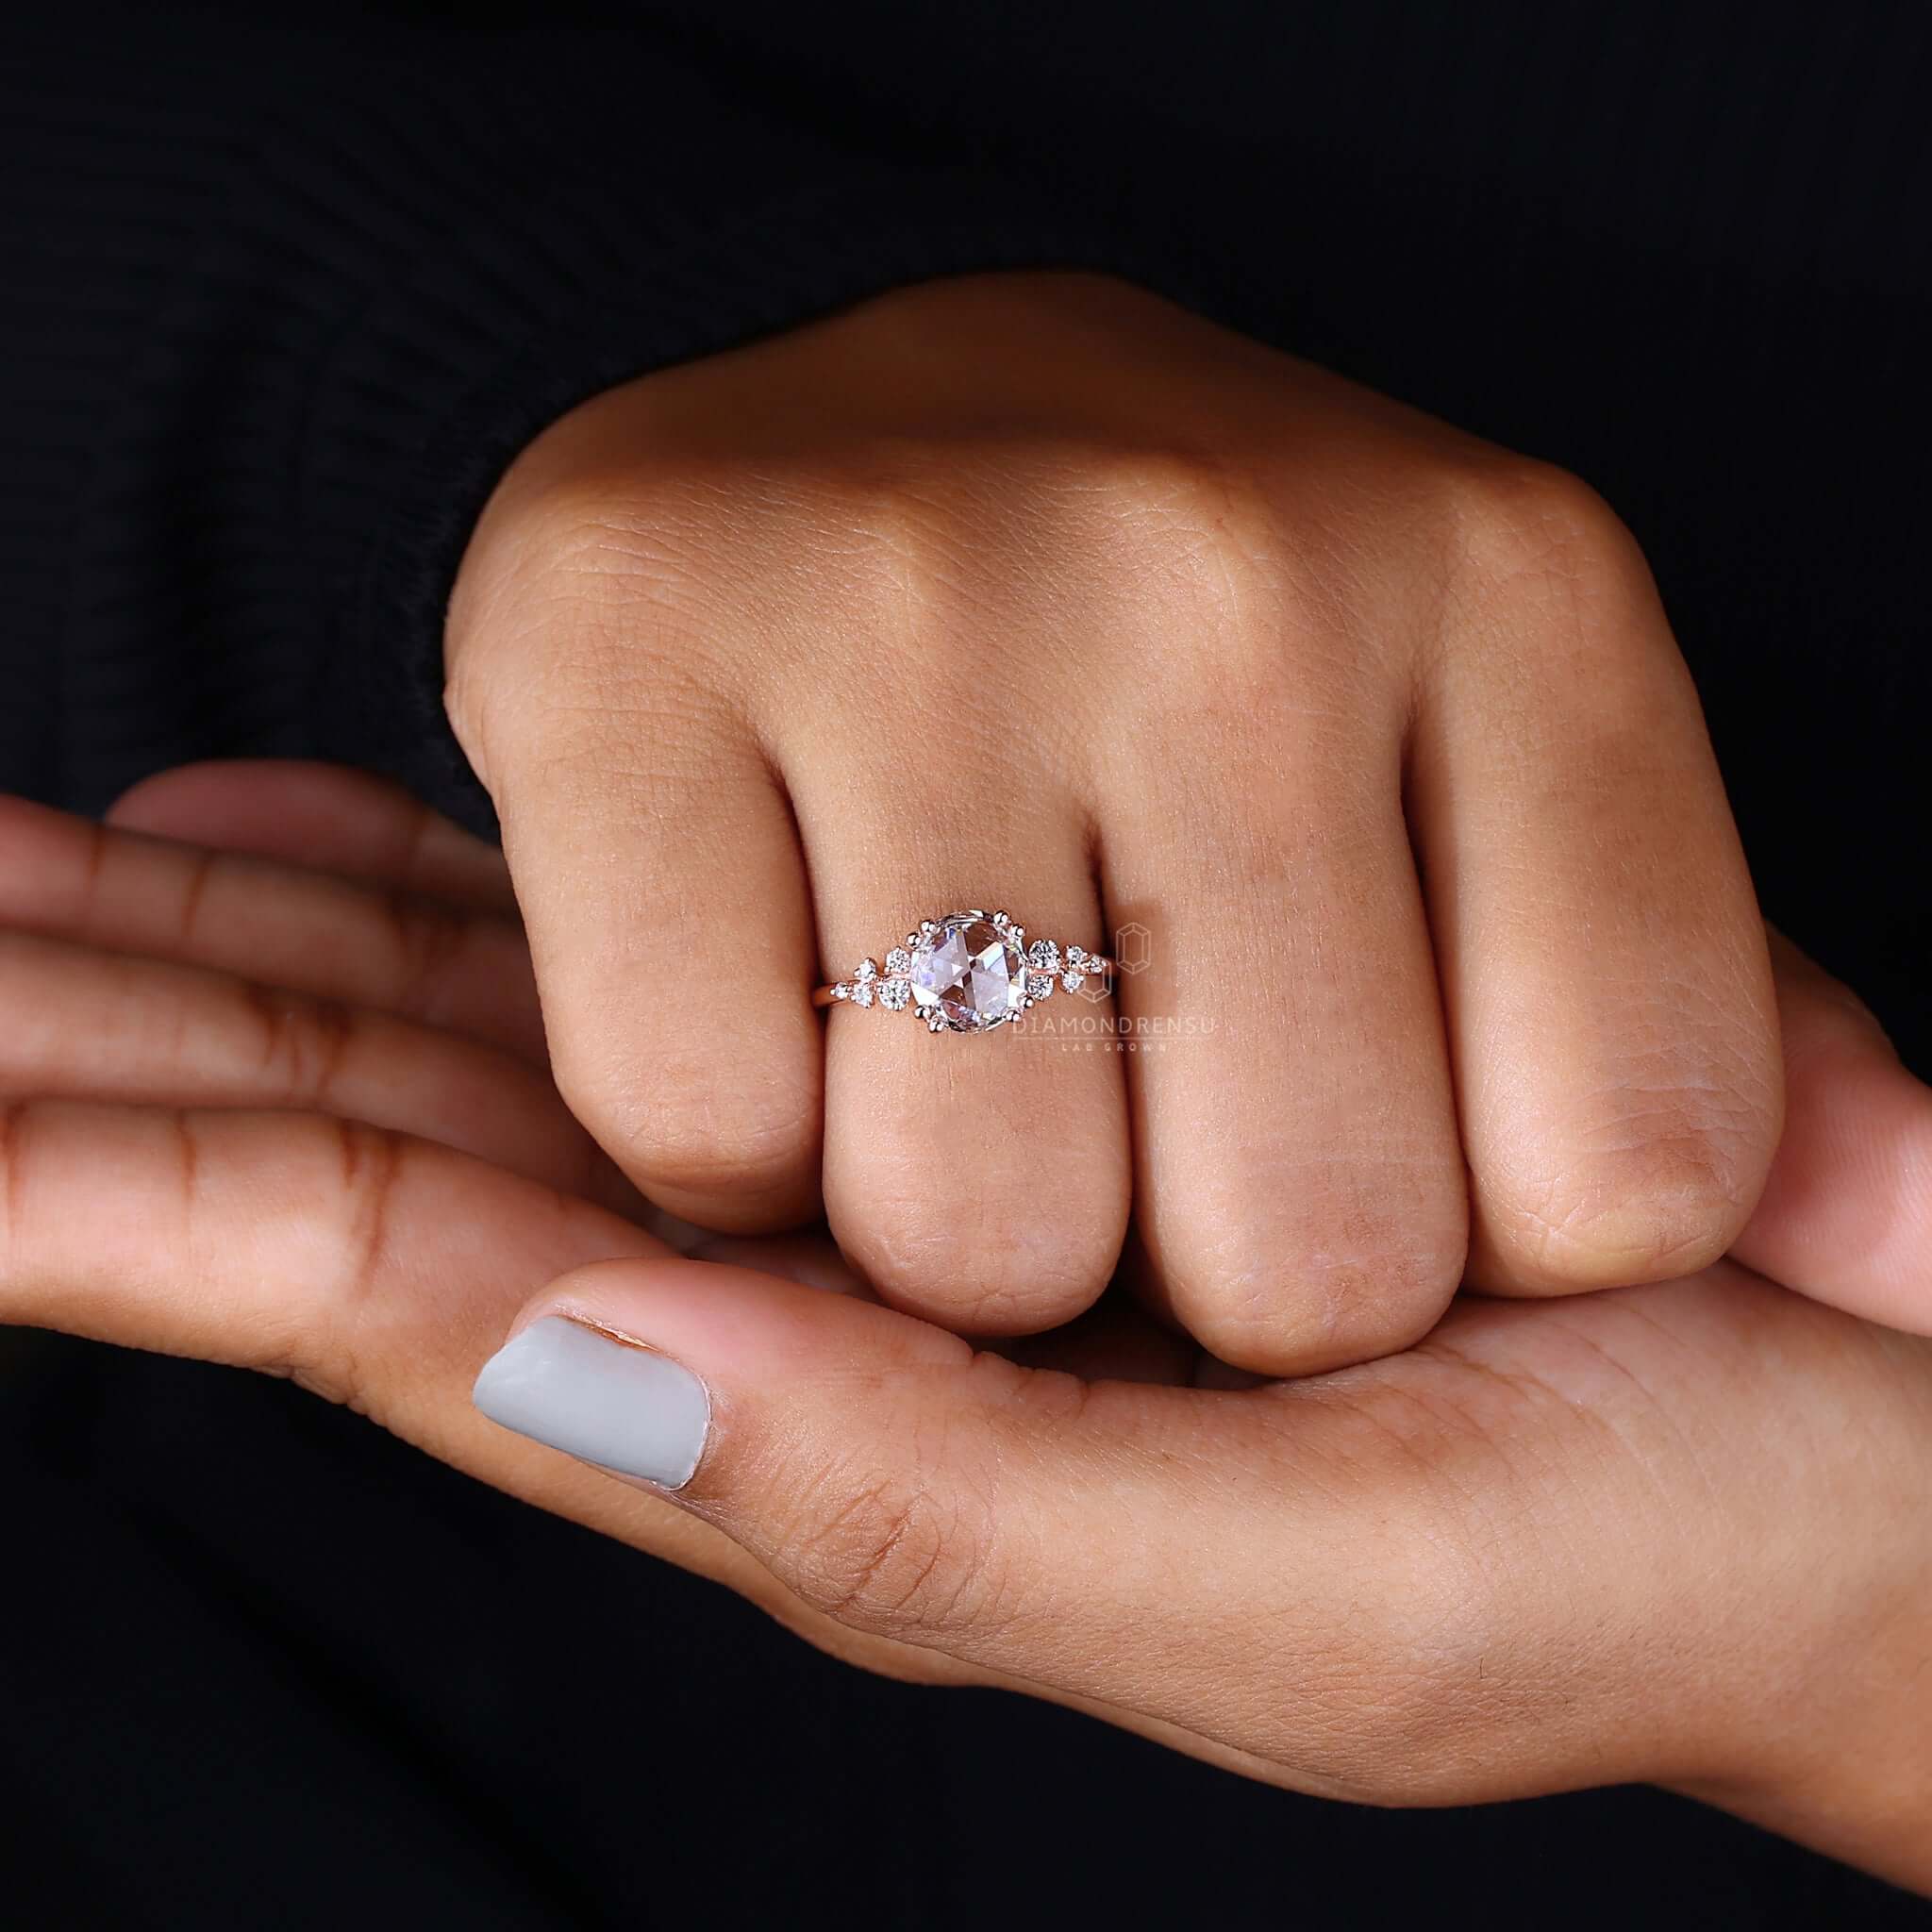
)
(1073, 981)
(1038, 985)
(1044, 955)
(895, 995)
(898, 962)
(861, 994)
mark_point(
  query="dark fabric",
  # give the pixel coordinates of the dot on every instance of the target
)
(283, 298)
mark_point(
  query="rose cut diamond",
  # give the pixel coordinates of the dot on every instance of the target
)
(968, 975)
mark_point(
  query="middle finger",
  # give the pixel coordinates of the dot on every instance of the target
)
(1301, 1195)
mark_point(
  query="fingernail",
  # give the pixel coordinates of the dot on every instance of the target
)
(582, 1391)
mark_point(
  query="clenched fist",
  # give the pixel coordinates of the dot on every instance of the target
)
(1034, 591)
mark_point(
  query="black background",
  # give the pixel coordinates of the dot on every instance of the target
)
(262, 1666)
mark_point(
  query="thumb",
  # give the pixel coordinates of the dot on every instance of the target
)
(1846, 1216)
(892, 1478)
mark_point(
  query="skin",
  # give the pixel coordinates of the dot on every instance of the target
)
(1676, 1532)
(1032, 591)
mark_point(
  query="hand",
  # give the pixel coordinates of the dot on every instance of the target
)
(1675, 1533)
(1034, 590)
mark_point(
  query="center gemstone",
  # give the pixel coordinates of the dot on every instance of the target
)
(970, 971)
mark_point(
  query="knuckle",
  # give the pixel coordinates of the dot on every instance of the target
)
(1200, 543)
(1298, 1299)
(428, 943)
(1538, 568)
(915, 537)
(602, 606)
(1236, 607)
(630, 578)
(304, 1042)
(1184, 550)
(1515, 524)
(690, 1130)
(1004, 1263)
(595, 541)
(372, 1164)
(1657, 1186)
(895, 1555)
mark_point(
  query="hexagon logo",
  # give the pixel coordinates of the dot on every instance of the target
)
(1133, 947)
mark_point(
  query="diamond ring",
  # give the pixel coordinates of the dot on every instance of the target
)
(967, 973)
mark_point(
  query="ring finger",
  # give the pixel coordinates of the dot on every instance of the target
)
(980, 1180)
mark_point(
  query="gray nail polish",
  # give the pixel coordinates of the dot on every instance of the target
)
(578, 1389)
